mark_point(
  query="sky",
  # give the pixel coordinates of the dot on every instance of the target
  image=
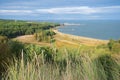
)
(60, 9)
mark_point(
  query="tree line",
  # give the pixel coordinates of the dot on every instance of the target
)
(12, 28)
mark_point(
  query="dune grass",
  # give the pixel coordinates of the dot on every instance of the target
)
(65, 65)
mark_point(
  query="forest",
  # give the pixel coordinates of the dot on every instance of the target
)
(13, 28)
(20, 61)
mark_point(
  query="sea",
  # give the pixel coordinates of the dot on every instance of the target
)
(98, 29)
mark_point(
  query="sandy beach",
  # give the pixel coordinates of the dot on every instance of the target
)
(80, 39)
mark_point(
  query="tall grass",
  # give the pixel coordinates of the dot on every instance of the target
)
(68, 67)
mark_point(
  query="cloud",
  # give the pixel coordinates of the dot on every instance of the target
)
(15, 12)
(68, 10)
(107, 9)
(15, 7)
(80, 10)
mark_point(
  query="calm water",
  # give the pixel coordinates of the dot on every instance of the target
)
(99, 29)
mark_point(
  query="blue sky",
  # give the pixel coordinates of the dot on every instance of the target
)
(60, 9)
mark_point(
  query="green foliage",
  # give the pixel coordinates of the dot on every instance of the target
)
(15, 48)
(110, 67)
(110, 44)
(114, 46)
(3, 39)
(80, 64)
(11, 28)
(31, 50)
(45, 35)
(34, 62)
(5, 56)
(49, 33)
(8, 50)
(72, 67)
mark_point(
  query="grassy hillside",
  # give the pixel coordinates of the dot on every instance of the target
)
(44, 55)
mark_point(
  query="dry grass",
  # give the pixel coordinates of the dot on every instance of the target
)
(29, 39)
(63, 40)
(80, 67)
(78, 39)
(60, 44)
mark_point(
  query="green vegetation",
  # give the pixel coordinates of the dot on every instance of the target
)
(114, 46)
(3, 39)
(44, 63)
(11, 28)
(51, 64)
(8, 50)
(46, 35)
(20, 61)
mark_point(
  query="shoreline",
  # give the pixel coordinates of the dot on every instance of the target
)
(81, 39)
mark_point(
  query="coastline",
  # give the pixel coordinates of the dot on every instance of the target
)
(80, 39)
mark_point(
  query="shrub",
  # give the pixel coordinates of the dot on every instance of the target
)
(110, 67)
(15, 48)
(30, 50)
(114, 46)
(45, 35)
(3, 39)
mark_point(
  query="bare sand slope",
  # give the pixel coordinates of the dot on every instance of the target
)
(78, 39)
